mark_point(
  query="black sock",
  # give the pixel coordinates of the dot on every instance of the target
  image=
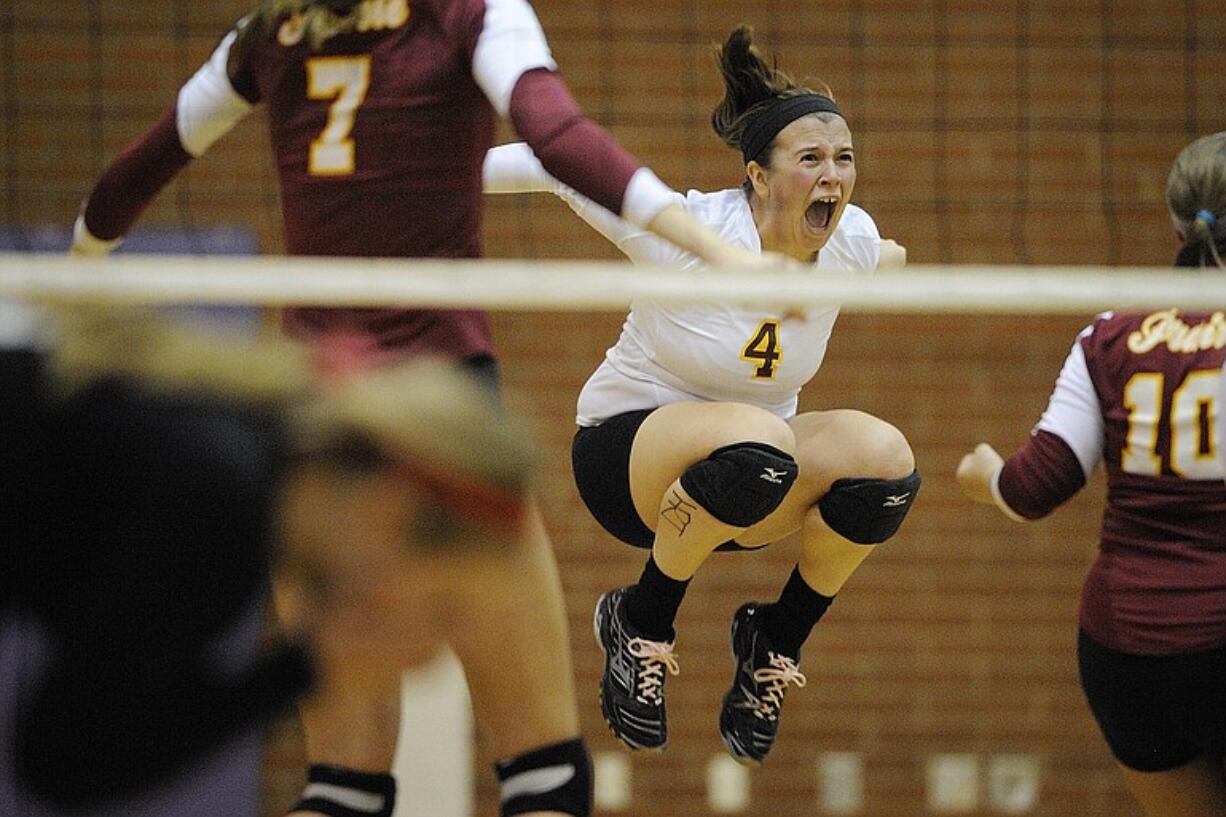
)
(651, 605)
(789, 620)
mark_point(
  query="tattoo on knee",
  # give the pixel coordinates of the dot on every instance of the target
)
(679, 513)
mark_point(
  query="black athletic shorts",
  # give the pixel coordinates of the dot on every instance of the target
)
(600, 457)
(1156, 712)
(600, 460)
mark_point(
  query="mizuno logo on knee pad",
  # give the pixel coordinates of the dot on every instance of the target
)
(868, 511)
(741, 484)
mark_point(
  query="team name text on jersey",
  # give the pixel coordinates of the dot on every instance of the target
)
(1165, 327)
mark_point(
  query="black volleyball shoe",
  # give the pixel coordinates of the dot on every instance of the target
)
(749, 717)
(632, 686)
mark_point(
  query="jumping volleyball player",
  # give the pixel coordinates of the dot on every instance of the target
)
(688, 438)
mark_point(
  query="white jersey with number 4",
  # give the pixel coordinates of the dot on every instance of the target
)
(669, 354)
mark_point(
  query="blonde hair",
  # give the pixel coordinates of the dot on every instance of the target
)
(99, 342)
(427, 413)
(427, 421)
(1196, 198)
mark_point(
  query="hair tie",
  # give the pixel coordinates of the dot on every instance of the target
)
(1207, 217)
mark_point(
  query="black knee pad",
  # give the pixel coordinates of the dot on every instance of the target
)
(340, 792)
(868, 511)
(553, 778)
(740, 484)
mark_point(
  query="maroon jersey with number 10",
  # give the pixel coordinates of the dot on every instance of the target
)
(1140, 392)
(1159, 584)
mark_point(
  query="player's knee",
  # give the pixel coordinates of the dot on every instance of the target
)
(881, 450)
(741, 484)
(557, 777)
(335, 791)
(868, 511)
(759, 425)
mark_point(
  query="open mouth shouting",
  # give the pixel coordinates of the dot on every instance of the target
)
(820, 212)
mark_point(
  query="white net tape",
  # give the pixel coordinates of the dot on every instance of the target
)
(586, 285)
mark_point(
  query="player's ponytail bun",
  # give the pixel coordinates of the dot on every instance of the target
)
(1196, 197)
(749, 83)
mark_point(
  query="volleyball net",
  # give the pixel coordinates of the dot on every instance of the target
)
(569, 286)
(1022, 133)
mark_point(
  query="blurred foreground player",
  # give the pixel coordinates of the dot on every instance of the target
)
(151, 478)
(380, 113)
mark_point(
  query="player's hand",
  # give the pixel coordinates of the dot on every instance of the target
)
(892, 255)
(975, 473)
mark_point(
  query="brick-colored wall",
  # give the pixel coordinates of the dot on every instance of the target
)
(1036, 132)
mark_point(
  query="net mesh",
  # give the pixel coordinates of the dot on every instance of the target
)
(1015, 133)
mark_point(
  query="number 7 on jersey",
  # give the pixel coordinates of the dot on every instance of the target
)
(346, 79)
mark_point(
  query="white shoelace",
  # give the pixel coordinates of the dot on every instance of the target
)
(781, 672)
(655, 657)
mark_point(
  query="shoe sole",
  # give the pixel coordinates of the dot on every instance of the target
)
(731, 744)
(735, 754)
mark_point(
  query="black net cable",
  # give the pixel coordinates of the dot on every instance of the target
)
(940, 118)
(1191, 121)
(694, 136)
(183, 184)
(859, 83)
(97, 105)
(1022, 127)
(1106, 190)
(12, 204)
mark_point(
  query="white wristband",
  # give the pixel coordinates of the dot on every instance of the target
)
(86, 243)
(645, 197)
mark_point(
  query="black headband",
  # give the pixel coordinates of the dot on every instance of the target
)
(777, 115)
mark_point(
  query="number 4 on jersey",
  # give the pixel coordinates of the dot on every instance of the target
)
(763, 349)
